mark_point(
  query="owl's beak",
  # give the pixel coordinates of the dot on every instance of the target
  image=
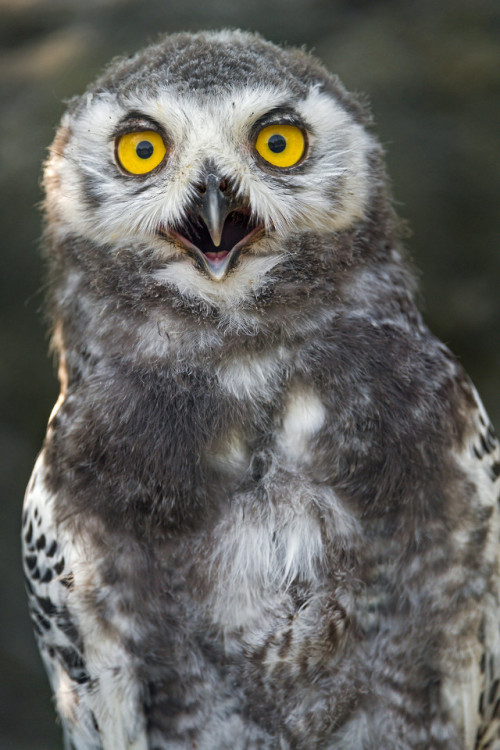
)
(213, 205)
(218, 226)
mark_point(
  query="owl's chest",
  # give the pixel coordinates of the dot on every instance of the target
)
(263, 598)
(245, 613)
(230, 604)
(167, 449)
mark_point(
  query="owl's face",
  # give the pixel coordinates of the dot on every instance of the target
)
(192, 155)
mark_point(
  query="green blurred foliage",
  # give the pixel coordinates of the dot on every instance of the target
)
(432, 73)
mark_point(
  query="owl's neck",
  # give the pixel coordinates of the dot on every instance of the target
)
(109, 308)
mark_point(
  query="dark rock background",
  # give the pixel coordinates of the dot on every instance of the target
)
(432, 73)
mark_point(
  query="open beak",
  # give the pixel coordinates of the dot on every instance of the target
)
(217, 227)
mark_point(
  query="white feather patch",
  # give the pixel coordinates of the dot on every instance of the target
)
(258, 553)
(252, 376)
(304, 417)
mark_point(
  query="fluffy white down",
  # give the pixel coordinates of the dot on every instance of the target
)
(304, 416)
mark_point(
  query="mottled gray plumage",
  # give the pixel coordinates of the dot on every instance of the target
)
(266, 511)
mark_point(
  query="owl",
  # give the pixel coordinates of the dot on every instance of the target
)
(265, 516)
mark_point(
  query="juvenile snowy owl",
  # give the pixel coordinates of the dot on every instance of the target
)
(265, 515)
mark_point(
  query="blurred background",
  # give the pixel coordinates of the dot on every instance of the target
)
(432, 73)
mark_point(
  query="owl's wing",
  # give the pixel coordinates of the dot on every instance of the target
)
(473, 695)
(49, 581)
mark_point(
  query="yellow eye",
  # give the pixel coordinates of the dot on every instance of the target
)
(281, 145)
(140, 152)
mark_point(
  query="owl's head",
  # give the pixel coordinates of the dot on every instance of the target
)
(207, 161)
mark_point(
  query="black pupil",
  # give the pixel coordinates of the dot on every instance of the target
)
(276, 143)
(144, 149)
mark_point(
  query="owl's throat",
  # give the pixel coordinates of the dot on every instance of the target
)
(239, 231)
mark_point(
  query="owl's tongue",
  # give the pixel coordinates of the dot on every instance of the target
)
(215, 258)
